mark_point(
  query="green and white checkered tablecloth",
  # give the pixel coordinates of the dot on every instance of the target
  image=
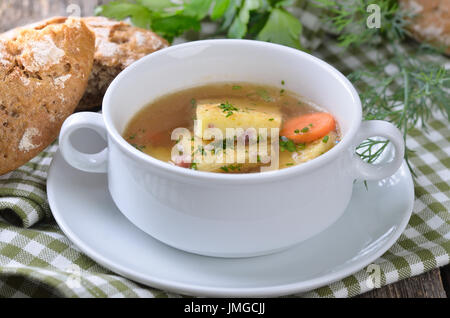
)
(36, 259)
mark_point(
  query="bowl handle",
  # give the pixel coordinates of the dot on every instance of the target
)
(365, 171)
(83, 161)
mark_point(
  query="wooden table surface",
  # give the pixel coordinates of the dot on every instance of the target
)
(435, 283)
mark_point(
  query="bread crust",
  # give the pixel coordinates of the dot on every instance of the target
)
(431, 21)
(118, 45)
(44, 71)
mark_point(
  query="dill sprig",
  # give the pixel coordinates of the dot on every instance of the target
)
(403, 87)
(371, 149)
(406, 89)
(348, 19)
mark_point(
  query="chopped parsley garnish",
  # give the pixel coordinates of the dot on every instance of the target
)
(301, 146)
(271, 119)
(305, 130)
(258, 158)
(264, 95)
(193, 103)
(287, 144)
(236, 87)
(282, 91)
(289, 164)
(132, 137)
(231, 168)
(297, 131)
(194, 166)
(138, 147)
(282, 82)
(228, 108)
(325, 139)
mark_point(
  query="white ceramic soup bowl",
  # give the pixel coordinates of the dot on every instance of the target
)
(223, 215)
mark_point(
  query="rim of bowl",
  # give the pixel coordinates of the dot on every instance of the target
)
(234, 178)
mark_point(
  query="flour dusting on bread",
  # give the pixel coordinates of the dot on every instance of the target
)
(59, 81)
(26, 143)
(44, 54)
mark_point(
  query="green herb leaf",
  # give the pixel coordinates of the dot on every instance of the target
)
(197, 8)
(139, 147)
(325, 139)
(287, 144)
(282, 28)
(349, 20)
(173, 26)
(228, 109)
(157, 5)
(220, 7)
(262, 19)
(119, 10)
(413, 89)
(264, 94)
(239, 27)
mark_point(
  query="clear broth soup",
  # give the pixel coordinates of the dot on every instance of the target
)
(233, 128)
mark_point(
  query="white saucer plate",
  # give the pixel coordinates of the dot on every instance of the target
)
(373, 221)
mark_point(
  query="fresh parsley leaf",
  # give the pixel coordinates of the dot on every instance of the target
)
(239, 27)
(265, 20)
(220, 7)
(229, 15)
(282, 28)
(249, 5)
(287, 144)
(198, 9)
(140, 16)
(264, 94)
(224, 168)
(157, 5)
(228, 109)
(173, 26)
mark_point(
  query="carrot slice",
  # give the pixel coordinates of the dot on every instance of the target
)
(309, 127)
